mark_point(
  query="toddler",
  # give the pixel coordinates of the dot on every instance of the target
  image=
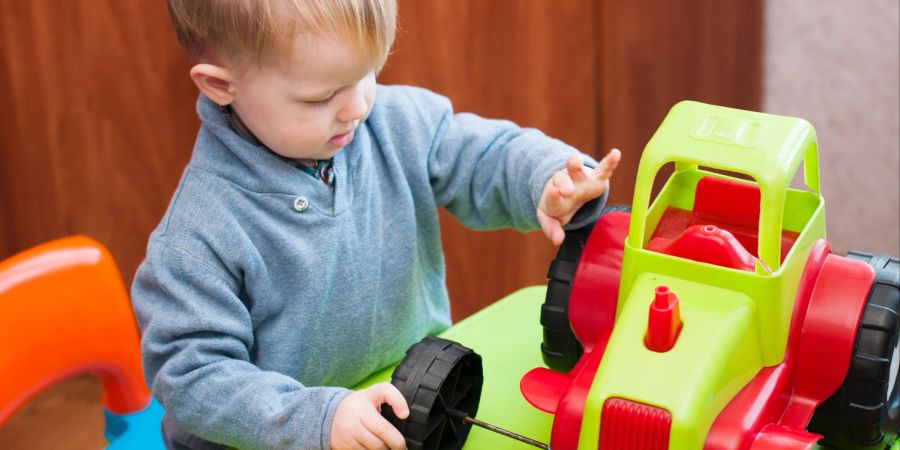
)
(301, 250)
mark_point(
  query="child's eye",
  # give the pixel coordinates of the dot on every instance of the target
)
(322, 102)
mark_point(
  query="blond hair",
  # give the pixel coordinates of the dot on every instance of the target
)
(259, 29)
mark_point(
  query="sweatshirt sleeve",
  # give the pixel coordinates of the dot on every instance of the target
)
(196, 339)
(491, 173)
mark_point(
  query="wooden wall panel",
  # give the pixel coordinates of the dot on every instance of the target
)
(97, 118)
(653, 54)
(66, 416)
(597, 74)
(96, 122)
(530, 61)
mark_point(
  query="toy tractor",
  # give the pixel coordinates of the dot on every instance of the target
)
(714, 317)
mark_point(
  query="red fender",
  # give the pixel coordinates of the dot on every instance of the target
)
(773, 409)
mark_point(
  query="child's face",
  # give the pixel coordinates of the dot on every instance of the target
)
(308, 104)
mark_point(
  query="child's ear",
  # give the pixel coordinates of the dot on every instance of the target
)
(216, 82)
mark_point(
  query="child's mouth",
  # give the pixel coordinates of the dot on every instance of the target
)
(341, 140)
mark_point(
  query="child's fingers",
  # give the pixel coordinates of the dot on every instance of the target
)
(386, 434)
(575, 168)
(385, 392)
(563, 183)
(551, 228)
(552, 190)
(369, 440)
(608, 164)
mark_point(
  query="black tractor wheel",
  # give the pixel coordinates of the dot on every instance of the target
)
(441, 381)
(560, 348)
(867, 405)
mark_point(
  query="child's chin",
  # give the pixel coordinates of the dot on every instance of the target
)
(324, 152)
(328, 152)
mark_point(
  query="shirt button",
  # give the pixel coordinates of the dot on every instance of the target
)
(301, 203)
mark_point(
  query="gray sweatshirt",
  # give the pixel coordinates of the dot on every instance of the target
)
(265, 292)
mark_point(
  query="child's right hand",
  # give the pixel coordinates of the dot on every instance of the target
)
(358, 423)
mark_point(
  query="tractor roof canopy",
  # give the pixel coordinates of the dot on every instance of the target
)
(766, 147)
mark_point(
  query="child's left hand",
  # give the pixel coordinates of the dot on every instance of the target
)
(571, 187)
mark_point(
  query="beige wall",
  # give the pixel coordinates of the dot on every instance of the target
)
(836, 63)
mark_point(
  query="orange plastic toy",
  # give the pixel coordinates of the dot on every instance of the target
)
(63, 312)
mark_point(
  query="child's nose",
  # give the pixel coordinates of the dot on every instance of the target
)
(355, 109)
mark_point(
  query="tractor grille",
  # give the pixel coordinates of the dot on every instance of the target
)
(627, 425)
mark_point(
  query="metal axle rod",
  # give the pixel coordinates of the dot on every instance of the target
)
(496, 429)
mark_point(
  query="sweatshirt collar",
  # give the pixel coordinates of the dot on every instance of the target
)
(243, 160)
